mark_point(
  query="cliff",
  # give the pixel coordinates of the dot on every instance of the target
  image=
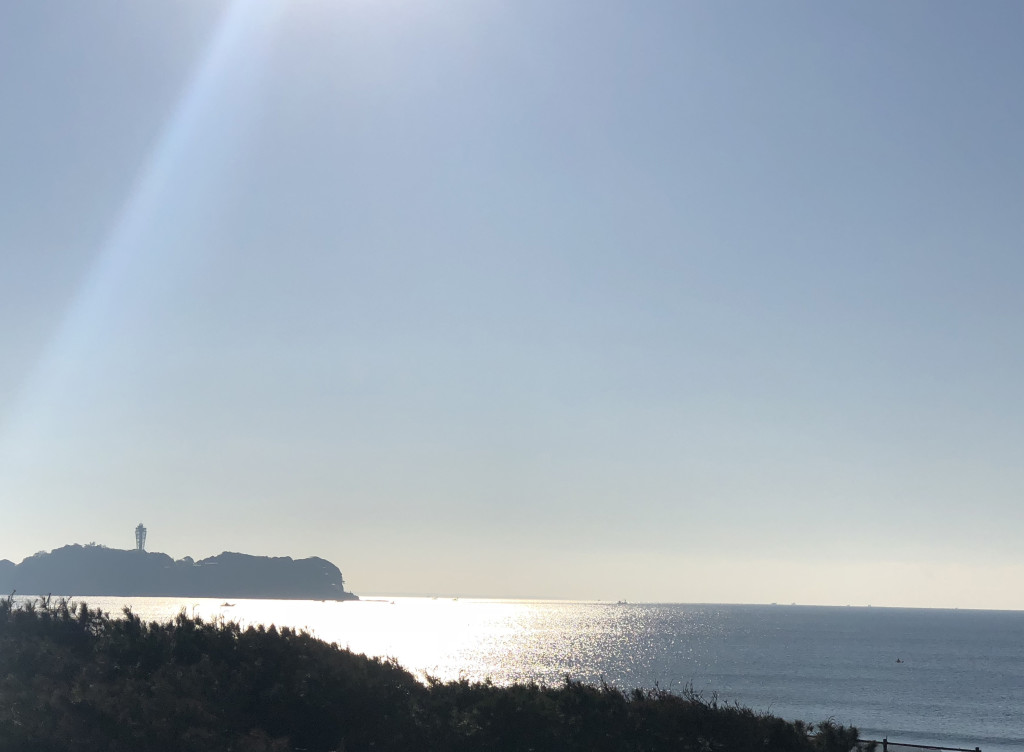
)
(96, 570)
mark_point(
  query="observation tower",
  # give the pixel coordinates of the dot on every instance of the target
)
(140, 538)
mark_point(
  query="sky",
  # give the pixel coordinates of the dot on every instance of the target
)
(662, 301)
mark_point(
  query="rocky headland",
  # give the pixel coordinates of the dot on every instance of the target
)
(78, 570)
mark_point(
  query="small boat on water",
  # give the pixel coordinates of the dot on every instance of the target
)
(225, 604)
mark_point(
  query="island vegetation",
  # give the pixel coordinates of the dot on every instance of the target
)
(75, 679)
(97, 570)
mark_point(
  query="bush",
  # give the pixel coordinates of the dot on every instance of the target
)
(74, 679)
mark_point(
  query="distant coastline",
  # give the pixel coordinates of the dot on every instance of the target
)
(77, 570)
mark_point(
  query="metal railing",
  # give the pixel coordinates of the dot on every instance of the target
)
(887, 746)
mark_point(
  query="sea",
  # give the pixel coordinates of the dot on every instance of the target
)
(951, 678)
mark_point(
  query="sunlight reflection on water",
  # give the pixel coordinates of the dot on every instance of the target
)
(505, 641)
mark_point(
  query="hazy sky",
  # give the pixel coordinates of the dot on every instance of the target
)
(661, 301)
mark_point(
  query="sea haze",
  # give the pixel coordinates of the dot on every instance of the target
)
(957, 683)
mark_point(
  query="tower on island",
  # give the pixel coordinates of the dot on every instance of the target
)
(140, 538)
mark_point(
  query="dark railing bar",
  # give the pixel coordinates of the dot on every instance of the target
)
(885, 745)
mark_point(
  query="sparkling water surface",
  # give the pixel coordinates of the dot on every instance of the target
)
(960, 682)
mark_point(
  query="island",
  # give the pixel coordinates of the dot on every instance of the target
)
(78, 570)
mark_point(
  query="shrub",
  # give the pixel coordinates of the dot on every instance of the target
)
(75, 679)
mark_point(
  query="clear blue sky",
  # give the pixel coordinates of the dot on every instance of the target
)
(671, 301)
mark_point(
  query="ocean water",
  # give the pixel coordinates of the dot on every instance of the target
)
(959, 682)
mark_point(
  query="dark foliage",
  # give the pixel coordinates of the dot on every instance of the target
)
(99, 570)
(73, 679)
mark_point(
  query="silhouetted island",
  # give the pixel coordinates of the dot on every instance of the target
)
(78, 570)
